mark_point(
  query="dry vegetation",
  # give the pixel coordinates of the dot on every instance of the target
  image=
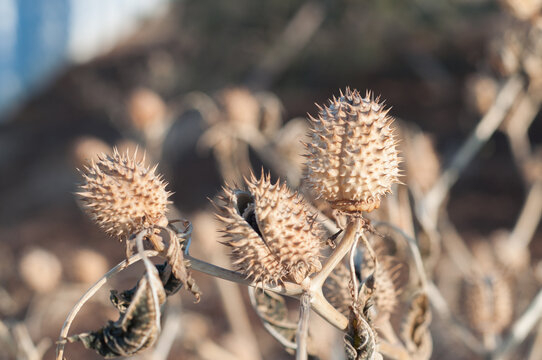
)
(408, 239)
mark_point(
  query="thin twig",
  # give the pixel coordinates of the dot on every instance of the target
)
(170, 331)
(270, 328)
(536, 349)
(293, 39)
(530, 216)
(287, 288)
(413, 246)
(520, 329)
(346, 244)
(90, 293)
(353, 276)
(483, 131)
(318, 302)
(302, 333)
(443, 310)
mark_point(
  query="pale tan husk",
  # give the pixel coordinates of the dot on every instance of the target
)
(271, 232)
(352, 158)
(122, 195)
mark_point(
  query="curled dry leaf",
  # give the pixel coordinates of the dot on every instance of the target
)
(361, 339)
(272, 310)
(138, 326)
(179, 266)
(415, 329)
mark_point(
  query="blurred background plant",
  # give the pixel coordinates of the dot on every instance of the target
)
(210, 90)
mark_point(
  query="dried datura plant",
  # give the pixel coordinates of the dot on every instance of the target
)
(277, 243)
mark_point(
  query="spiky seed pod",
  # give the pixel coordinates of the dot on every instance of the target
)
(122, 196)
(386, 291)
(337, 288)
(489, 304)
(352, 158)
(272, 234)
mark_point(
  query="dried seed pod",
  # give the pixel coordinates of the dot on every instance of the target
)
(41, 270)
(337, 287)
(488, 303)
(422, 162)
(272, 234)
(352, 158)
(523, 9)
(241, 108)
(122, 196)
(386, 292)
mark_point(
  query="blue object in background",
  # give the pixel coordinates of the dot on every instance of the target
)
(38, 37)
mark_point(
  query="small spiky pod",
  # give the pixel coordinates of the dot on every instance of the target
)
(386, 292)
(352, 158)
(337, 287)
(122, 196)
(489, 304)
(272, 235)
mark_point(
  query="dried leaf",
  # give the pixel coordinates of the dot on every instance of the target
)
(179, 266)
(415, 329)
(361, 339)
(138, 326)
(271, 308)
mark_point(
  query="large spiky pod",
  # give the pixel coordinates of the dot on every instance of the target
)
(122, 195)
(352, 158)
(272, 234)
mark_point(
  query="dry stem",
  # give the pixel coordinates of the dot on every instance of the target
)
(303, 327)
(483, 131)
(90, 293)
(520, 329)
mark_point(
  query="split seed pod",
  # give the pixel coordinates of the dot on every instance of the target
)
(352, 157)
(271, 232)
(122, 195)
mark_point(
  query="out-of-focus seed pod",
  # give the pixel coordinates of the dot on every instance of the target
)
(87, 148)
(87, 265)
(422, 162)
(352, 158)
(241, 108)
(386, 292)
(489, 305)
(481, 92)
(271, 232)
(148, 113)
(337, 286)
(40, 270)
(122, 196)
(523, 9)
(488, 297)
